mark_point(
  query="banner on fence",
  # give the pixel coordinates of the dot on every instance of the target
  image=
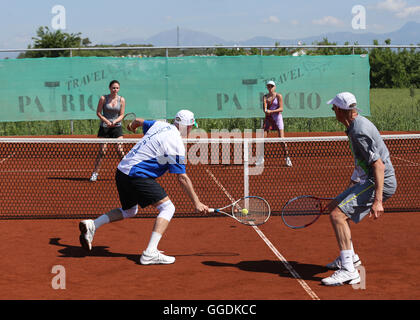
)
(156, 88)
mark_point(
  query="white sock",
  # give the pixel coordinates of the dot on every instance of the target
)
(351, 248)
(347, 260)
(101, 220)
(154, 241)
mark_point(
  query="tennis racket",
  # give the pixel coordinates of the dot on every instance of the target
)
(127, 121)
(301, 212)
(251, 210)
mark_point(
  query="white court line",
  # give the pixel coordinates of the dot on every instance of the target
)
(220, 186)
(283, 260)
(415, 163)
(292, 271)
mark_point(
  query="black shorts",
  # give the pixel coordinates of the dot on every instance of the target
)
(114, 132)
(141, 191)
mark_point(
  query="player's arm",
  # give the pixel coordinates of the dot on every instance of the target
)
(136, 123)
(379, 174)
(368, 152)
(265, 104)
(187, 185)
(280, 99)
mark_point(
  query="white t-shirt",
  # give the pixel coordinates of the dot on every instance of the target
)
(161, 149)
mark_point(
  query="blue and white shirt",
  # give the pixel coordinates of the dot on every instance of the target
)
(161, 149)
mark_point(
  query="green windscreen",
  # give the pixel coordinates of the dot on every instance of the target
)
(156, 88)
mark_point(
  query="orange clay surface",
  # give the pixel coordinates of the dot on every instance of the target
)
(216, 258)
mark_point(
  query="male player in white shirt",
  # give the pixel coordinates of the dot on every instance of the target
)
(160, 150)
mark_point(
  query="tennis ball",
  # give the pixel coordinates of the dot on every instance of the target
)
(245, 211)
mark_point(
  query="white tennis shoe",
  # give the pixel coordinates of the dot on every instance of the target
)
(342, 276)
(155, 257)
(94, 177)
(336, 264)
(87, 231)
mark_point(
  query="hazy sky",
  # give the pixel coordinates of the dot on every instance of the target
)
(105, 21)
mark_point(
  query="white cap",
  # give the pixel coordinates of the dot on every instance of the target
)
(344, 100)
(271, 82)
(185, 118)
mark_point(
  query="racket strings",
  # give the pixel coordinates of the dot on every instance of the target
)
(303, 211)
(257, 211)
(127, 120)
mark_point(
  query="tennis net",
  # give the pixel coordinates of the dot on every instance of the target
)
(49, 177)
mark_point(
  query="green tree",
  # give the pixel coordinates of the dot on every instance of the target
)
(390, 68)
(324, 51)
(47, 38)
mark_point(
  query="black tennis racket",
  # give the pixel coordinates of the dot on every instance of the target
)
(250, 211)
(127, 122)
(301, 212)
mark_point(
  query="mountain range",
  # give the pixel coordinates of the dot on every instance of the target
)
(407, 34)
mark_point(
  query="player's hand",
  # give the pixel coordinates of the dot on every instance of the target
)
(132, 126)
(202, 208)
(377, 210)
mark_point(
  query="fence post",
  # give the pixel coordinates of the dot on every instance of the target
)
(71, 121)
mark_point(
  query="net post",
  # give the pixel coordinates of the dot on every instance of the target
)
(246, 168)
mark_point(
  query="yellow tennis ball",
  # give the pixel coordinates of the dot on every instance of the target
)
(245, 211)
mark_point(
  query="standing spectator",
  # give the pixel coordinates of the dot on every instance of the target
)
(273, 109)
(110, 111)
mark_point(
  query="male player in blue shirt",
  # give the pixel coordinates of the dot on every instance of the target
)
(160, 150)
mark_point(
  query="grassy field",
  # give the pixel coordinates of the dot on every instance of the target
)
(391, 110)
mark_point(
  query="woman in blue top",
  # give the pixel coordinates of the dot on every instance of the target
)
(110, 111)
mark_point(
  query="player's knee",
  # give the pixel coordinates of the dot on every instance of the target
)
(337, 216)
(166, 210)
(129, 213)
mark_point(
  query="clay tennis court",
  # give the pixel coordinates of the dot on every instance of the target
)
(216, 257)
